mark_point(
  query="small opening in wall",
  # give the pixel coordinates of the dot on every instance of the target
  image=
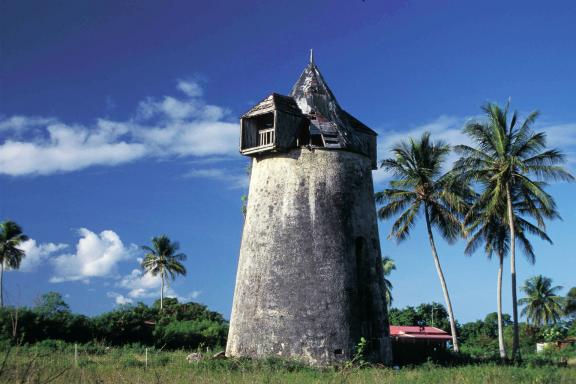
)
(338, 351)
(316, 140)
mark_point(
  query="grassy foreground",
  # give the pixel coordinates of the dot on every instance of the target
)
(117, 366)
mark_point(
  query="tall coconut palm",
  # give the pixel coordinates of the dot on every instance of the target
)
(493, 234)
(543, 305)
(162, 259)
(419, 186)
(388, 265)
(11, 237)
(510, 158)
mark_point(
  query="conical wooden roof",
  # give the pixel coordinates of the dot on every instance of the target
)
(314, 97)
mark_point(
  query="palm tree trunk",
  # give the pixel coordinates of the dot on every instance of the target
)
(500, 326)
(1, 285)
(442, 282)
(161, 291)
(516, 337)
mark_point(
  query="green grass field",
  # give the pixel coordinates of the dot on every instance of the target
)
(125, 366)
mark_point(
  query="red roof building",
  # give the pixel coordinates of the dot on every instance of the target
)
(414, 344)
(406, 333)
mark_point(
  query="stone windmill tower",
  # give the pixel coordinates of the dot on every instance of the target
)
(309, 282)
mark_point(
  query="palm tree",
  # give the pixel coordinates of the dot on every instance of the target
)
(388, 265)
(493, 233)
(162, 259)
(505, 160)
(420, 186)
(10, 255)
(542, 305)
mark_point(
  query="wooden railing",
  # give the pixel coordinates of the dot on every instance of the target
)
(266, 137)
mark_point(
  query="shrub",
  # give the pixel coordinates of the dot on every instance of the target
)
(191, 334)
(50, 345)
(554, 333)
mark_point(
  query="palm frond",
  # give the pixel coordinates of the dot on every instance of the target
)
(402, 226)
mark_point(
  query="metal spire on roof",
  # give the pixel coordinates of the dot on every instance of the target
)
(311, 83)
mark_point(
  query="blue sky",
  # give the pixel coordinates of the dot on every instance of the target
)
(119, 122)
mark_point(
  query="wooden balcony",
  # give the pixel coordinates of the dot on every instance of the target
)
(266, 140)
(266, 137)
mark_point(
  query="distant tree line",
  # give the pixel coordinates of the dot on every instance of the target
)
(432, 314)
(192, 325)
(177, 325)
(480, 338)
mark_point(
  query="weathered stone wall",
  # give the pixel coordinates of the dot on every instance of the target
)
(309, 280)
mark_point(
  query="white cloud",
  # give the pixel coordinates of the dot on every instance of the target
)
(197, 138)
(18, 123)
(63, 148)
(119, 299)
(36, 254)
(164, 127)
(172, 108)
(190, 88)
(140, 285)
(97, 255)
(145, 286)
(562, 136)
(192, 295)
(446, 128)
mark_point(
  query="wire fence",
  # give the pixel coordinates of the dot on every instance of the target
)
(103, 365)
(86, 364)
(81, 356)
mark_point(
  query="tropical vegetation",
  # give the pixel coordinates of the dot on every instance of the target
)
(420, 186)
(388, 265)
(510, 163)
(489, 230)
(163, 259)
(570, 305)
(177, 325)
(11, 236)
(430, 314)
(542, 304)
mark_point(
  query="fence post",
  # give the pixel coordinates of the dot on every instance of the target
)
(76, 354)
(146, 358)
